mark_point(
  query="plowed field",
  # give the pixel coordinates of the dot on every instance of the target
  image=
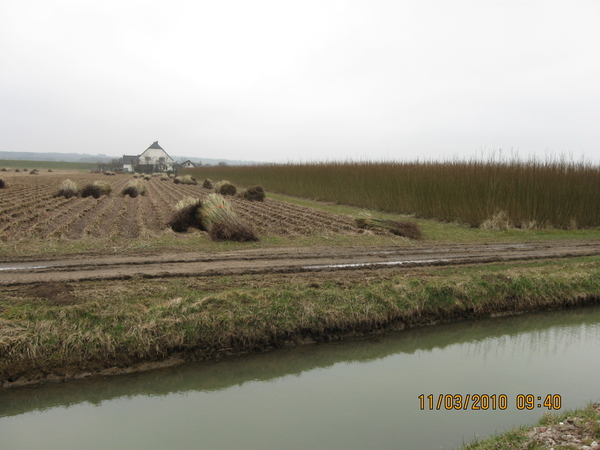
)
(28, 208)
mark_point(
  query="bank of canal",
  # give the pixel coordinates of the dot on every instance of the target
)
(348, 395)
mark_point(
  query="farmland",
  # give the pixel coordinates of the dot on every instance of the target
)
(112, 285)
(29, 209)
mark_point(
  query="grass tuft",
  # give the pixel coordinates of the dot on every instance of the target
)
(225, 187)
(185, 216)
(67, 189)
(405, 229)
(217, 217)
(254, 194)
(134, 188)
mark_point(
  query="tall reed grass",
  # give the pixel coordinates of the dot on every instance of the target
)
(551, 193)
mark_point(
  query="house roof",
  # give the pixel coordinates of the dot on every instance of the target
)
(155, 145)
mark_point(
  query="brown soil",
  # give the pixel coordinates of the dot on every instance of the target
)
(56, 293)
(31, 208)
(280, 261)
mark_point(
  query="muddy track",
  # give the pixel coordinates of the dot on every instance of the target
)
(288, 260)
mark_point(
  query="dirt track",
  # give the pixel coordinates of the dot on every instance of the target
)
(288, 260)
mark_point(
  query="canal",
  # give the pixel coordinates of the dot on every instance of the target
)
(355, 394)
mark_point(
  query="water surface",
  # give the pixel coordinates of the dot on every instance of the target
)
(349, 395)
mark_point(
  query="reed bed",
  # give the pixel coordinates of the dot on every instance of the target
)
(547, 194)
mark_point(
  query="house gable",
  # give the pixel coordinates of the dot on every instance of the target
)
(156, 156)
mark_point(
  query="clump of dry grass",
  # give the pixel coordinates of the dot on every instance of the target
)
(34, 172)
(3, 184)
(405, 229)
(164, 177)
(224, 187)
(105, 186)
(498, 222)
(207, 184)
(254, 194)
(217, 217)
(213, 214)
(67, 189)
(96, 190)
(185, 216)
(188, 179)
(147, 177)
(134, 188)
(177, 180)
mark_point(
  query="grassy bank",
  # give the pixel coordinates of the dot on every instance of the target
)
(553, 193)
(568, 430)
(63, 329)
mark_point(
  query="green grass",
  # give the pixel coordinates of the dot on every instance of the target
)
(443, 232)
(550, 194)
(54, 165)
(153, 319)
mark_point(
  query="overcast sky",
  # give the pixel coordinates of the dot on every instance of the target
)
(301, 80)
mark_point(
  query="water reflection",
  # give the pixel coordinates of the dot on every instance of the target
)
(366, 389)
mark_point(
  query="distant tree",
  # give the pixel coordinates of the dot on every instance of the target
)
(222, 163)
(116, 163)
(102, 165)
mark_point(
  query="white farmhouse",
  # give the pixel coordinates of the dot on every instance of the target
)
(157, 157)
